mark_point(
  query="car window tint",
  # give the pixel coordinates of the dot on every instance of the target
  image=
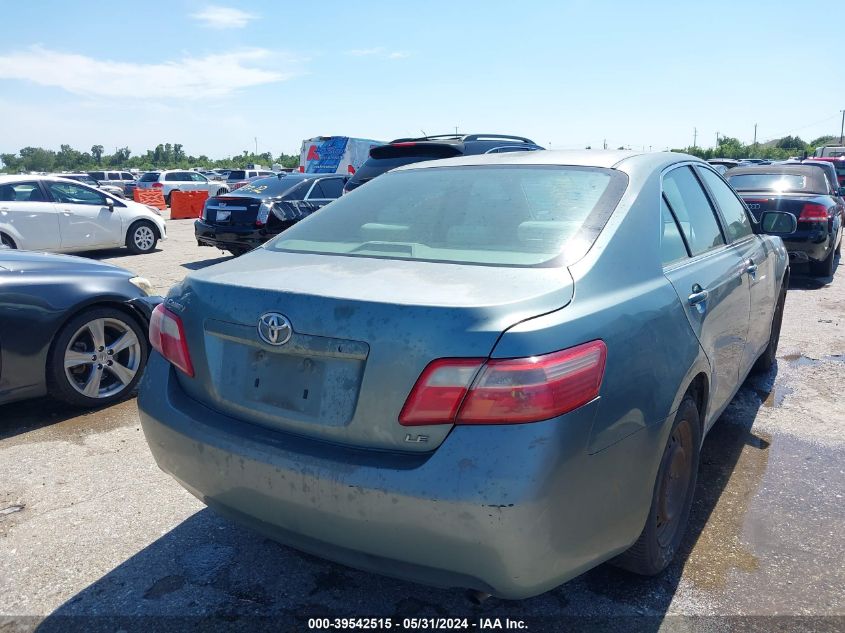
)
(197, 177)
(21, 192)
(332, 187)
(113, 175)
(733, 211)
(151, 176)
(127, 176)
(474, 214)
(692, 208)
(68, 193)
(672, 246)
(317, 191)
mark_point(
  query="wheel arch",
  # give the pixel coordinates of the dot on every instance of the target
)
(149, 221)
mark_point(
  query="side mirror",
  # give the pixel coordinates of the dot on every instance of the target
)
(778, 223)
(110, 204)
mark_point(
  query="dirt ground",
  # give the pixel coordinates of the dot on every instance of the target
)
(94, 537)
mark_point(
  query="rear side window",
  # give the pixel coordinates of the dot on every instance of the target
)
(113, 175)
(733, 211)
(691, 207)
(502, 215)
(332, 187)
(672, 246)
(149, 177)
(98, 175)
(21, 192)
(237, 174)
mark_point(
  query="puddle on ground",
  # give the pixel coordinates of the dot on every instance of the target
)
(750, 533)
(773, 398)
(44, 420)
(799, 360)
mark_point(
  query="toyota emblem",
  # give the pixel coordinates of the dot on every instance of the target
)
(274, 328)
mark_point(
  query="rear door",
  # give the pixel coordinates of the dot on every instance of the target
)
(85, 220)
(29, 216)
(710, 281)
(324, 191)
(759, 261)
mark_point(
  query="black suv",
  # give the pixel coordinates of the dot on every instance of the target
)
(249, 216)
(404, 151)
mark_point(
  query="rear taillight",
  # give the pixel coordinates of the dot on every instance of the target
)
(506, 391)
(157, 185)
(263, 213)
(301, 169)
(812, 212)
(167, 336)
(350, 170)
(237, 185)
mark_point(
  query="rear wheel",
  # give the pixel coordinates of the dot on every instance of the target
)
(167, 197)
(6, 241)
(823, 268)
(141, 237)
(672, 497)
(97, 358)
(767, 358)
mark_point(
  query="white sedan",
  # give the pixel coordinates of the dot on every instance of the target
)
(47, 213)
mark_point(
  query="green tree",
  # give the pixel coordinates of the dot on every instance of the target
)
(97, 153)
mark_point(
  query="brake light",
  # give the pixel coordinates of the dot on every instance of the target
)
(405, 144)
(302, 169)
(350, 169)
(812, 212)
(157, 185)
(167, 336)
(506, 391)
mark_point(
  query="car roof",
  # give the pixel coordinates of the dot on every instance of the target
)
(21, 177)
(583, 158)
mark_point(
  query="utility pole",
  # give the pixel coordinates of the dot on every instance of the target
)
(755, 135)
(842, 127)
(256, 145)
(694, 136)
(717, 139)
(605, 143)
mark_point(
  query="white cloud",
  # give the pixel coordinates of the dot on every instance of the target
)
(378, 51)
(188, 78)
(217, 17)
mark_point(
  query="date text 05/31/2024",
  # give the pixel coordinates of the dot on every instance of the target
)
(325, 624)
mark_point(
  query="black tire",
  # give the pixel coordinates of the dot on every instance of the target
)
(767, 358)
(142, 237)
(75, 338)
(671, 499)
(167, 198)
(823, 268)
(7, 242)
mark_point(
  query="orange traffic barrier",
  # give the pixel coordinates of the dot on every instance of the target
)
(187, 204)
(152, 197)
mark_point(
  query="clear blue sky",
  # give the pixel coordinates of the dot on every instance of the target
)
(213, 76)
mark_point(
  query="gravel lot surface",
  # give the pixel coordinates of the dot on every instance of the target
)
(93, 535)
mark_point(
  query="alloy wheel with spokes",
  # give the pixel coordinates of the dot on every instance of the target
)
(98, 357)
(102, 358)
(141, 237)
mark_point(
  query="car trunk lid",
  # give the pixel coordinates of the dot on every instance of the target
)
(363, 330)
(232, 211)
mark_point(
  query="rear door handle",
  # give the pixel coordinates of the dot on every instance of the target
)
(698, 297)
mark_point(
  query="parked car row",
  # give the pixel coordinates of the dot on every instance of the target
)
(475, 315)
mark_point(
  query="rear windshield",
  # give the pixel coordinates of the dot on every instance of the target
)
(768, 182)
(269, 187)
(501, 215)
(149, 177)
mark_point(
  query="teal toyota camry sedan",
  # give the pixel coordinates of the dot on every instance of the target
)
(490, 372)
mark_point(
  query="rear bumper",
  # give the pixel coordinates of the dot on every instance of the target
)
(808, 246)
(229, 237)
(511, 510)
